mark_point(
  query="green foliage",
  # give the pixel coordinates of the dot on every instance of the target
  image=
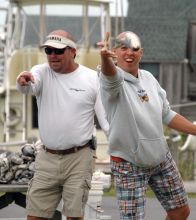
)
(184, 137)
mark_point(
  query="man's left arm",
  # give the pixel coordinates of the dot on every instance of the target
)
(182, 124)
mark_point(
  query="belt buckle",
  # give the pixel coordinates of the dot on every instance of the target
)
(58, 152)
(75, 149)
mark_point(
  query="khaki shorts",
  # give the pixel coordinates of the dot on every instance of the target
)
(67, 177)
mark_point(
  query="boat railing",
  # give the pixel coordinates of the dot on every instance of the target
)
(181, 105)
(3, 29)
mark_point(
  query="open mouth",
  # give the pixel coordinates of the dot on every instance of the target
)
(129, 60)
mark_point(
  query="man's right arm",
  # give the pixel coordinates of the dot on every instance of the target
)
(27, 84)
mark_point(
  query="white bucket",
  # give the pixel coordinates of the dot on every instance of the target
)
(93, 208)
(106, 217)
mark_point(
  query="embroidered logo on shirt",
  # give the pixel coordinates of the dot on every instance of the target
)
(77, 90)
(143, 95)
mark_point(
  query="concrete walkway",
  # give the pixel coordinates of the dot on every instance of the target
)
(154, 211)
(190, 186)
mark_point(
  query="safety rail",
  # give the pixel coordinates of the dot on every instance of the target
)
(183, 105)
(2, 51)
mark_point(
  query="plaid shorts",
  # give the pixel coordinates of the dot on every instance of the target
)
(132, 182)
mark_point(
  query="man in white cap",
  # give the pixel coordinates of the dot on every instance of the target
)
(68, 97)
(136, 108)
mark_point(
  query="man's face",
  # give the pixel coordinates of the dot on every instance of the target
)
(60, 60)
(128, 58)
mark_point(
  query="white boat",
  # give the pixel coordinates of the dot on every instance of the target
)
(18, 113)
(18, 119)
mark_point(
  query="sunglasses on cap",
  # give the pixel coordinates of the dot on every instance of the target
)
(50, 50)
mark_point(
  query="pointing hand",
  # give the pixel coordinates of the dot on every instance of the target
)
(25, 78)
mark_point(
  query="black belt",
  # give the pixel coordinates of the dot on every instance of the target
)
(67, 151)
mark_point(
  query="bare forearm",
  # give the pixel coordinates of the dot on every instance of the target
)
(182, 124)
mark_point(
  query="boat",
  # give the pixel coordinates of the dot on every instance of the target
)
(26, 24)
(18, 113)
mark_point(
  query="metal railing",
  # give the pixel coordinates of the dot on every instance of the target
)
(183, 105)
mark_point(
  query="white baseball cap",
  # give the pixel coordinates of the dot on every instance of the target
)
(59, 42)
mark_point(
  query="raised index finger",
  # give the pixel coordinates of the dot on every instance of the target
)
(106, 40)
